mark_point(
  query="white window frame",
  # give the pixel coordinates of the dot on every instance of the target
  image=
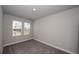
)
(22, 28)
(18, 29)
(28, 26)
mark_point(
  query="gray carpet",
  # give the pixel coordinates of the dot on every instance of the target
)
(31, 47)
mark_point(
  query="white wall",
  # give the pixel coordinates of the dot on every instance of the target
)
(60, 30)
(8, 38)
(1, 16)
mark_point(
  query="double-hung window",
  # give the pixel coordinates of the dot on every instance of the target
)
(26, 28)
(18, 28)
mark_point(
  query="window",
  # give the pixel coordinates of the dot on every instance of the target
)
(26, 28)
(16, 28)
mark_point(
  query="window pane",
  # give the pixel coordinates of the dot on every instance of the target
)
(16, 28)
(26, 28)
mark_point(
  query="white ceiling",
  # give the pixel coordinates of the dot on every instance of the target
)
(26, 11)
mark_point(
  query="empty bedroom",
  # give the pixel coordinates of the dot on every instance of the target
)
(39, 29)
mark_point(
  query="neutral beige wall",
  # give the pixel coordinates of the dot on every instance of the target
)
(60, 30)
(8, 38)
(1, 16)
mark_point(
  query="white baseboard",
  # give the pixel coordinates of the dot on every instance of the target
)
(41, 42)
(15, 42)
(56, 47)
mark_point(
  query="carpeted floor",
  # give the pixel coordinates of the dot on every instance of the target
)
(31, 47)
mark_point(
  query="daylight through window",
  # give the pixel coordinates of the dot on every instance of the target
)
(26, 28)
(17, 28)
